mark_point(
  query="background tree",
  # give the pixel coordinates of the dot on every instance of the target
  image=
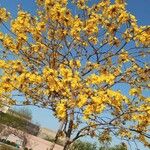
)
(73, 62)
(23, 112)
(117, 147)
(80, 145)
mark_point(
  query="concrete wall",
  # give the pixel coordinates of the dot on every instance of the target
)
(36, 143)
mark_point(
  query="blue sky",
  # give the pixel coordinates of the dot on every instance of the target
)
(139, 8)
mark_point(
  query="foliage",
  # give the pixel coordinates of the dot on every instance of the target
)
(74, 63)
(117, 147)
(80, 145)
(18, 123)
(23, 112)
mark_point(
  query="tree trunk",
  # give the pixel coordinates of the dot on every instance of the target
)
(67, 145)
(69, 132)
(57, 136)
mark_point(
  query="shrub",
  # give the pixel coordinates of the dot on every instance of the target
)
(80, 145)
(19, 123)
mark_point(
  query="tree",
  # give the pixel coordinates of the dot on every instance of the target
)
(80, 145)
(117, 147)
(23, 112)
(74, 62)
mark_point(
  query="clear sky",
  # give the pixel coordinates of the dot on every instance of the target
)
(139, 8)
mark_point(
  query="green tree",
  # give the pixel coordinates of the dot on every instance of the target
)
(24, 112)
(116, 147)
(80, 145)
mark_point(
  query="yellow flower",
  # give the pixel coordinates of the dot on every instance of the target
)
(82, 99)
(1, 35)
(41, 26)
(40, 2)
(2, 63)
(75, 63)
(61, 109)
(4, 15)
(124, 56)
(135, 91)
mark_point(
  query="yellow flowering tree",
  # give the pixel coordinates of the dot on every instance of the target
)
(72, 63)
